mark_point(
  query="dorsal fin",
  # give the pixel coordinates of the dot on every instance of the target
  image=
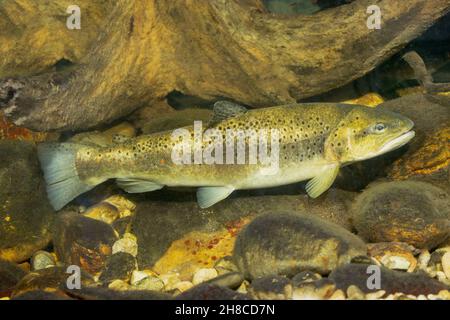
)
(224, 110)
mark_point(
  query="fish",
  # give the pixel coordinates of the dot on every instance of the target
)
(309, 141)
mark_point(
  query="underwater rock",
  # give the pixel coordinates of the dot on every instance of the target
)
(271, 288)
(41, 260)
(427, 153)
(41, 295)
(391, 281)
(203, 236)
(119, 266)
(83, 241)
(285, 244)
(49, 280)
(230, 280)
(416, 213)
(101, 293)
(10, 275)
(115, 210)
(207, 291)
(26, 216)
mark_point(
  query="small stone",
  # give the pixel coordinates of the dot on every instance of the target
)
(127, 244)
(119, 285)
(119, 266)
(149, 283)
(203, 275)
(423, 259)
(338, 295)
(124, 206)
(413, 212)
(375, 295)
(446, 264)
(441, 276)
(397, 263)
(444, 294)
(41, 260)
(271, 288)
(243, 288)
(103, 211)
(170, 280)
(354, 293)
(137, 276)
(82, 241)
(270, 245)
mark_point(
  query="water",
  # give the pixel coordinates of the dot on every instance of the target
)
(358, 208)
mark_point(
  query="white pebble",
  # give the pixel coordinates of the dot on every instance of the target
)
(338, 295)
(127, 244)
(149, 283)
(424, 259)
(375, 295)
(119, 285)
(137, 276)
(446, 264)
(203, 275)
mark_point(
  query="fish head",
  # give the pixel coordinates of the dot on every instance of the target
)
(366, 133)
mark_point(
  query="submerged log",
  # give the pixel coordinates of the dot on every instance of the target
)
(208, 49)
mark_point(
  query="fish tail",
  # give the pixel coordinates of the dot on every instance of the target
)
(60, 172)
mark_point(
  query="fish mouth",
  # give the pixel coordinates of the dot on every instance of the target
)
(398, 142)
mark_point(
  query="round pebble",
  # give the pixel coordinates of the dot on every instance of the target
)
(42, 260)
(203, 275)
(446, 264)
(126, 244)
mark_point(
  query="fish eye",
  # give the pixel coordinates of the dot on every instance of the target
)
(378, 128)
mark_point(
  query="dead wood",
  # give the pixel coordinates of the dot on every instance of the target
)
(208, 49)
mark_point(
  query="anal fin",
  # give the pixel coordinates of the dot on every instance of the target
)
(321, 183)
(208, 196)
(132, 185)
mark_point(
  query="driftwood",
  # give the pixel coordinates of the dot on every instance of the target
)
(214, 49)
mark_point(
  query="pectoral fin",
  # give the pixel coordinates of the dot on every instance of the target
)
(132, 185)
(208, 196)
(321, 183)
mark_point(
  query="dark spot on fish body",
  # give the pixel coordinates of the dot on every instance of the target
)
(131, 29)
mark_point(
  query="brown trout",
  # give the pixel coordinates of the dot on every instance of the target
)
(304, 141)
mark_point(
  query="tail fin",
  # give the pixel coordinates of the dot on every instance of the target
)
(58, 163)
